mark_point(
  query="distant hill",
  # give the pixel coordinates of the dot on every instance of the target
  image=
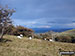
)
(43, 30)
(70, 31)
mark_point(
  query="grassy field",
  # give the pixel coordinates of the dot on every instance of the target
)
(12, 46)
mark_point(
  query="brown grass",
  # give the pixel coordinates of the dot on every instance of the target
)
(35, 47)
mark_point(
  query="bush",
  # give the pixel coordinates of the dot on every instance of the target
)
(43, 36)
(72, 35)
(37, 36)
(11, 30)
(63, 38)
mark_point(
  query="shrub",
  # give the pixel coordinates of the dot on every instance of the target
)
(25, 31)
(63, 38)
(37, 36)
(12, 30)
(43, 36)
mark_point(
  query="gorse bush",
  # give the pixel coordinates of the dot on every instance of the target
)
(62, 38)
(72, 35)
(12, 30)
(37, 36)
(46, 35)
(69, 38)
(23, 30)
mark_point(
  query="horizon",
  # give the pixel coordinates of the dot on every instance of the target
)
(42, 14)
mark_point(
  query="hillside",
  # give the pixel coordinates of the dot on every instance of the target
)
(12, 46)
(69, 31)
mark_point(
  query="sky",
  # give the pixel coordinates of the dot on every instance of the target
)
(42, 13)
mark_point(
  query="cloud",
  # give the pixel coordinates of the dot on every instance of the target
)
(46, 26)
(71, 25)
(32, 24)
(43, 23)
(73, 21)
(43, 13)
(23, 22)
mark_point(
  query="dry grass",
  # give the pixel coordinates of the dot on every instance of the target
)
(35, 47)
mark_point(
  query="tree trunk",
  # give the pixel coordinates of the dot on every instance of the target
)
(2, 34)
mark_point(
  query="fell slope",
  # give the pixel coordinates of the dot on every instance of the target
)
(12, 46)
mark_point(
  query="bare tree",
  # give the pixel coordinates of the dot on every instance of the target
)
(5, 20)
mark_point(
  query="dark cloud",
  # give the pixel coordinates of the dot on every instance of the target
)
(42, 12)
(73, 21)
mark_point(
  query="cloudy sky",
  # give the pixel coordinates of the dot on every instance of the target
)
(43, 13)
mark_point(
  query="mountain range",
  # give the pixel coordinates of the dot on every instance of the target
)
(43, 30)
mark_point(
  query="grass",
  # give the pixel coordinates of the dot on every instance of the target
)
(12, 46)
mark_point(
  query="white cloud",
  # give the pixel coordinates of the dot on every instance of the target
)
(46, 26)
(70, 25)
(23, 22)
(30, 23)
(42, 23)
